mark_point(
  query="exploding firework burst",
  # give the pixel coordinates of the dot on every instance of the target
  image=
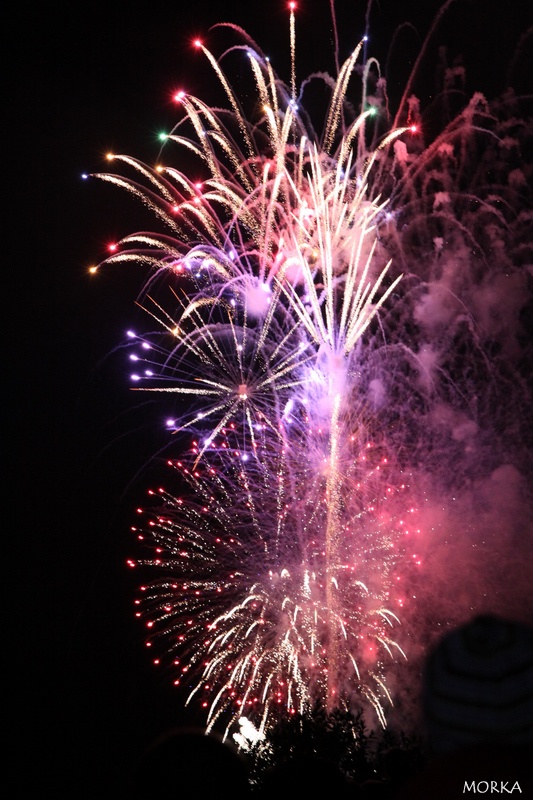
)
(310, 358)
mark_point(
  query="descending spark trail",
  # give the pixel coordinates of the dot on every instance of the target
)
(286, 551)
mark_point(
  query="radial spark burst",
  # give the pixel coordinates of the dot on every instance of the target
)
(293, 347)
(253, 595)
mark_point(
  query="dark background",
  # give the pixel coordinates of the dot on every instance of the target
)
(82, 696)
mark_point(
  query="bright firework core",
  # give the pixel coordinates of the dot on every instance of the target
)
(319, 334)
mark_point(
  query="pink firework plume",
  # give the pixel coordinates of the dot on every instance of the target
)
(305, 327)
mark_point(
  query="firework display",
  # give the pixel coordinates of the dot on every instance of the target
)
(329, 358)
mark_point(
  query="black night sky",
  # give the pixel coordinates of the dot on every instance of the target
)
(77, 81)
